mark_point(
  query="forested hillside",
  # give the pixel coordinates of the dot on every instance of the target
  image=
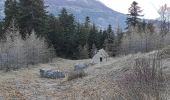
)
(98, 12)
(69, 37)
(78, 40)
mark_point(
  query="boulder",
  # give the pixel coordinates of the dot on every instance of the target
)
(52, 74)
(80, 66)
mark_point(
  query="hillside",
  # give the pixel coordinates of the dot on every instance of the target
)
(102, 81)
(98, 12)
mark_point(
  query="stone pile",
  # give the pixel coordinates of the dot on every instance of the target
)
(52, 74)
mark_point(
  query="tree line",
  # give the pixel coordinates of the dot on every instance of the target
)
(80, 40)
(70, 38)
(145, 35)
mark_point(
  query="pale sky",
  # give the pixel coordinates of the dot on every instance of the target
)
(149, 7)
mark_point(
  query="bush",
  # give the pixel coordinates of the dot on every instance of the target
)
(75, 74)
(146, 81)
(166, 52)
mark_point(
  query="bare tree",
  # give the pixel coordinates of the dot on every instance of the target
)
(163, 12)
(16, 52)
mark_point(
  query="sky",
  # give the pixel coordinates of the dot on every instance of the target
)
(149, 7)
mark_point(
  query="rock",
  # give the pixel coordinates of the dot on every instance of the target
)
(52, 74)
(80, 66)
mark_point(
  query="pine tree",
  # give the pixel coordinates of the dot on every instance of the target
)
(11, 12)
(134, 14)
(101, 39)
(54, 36)
(109, 41)
(92, 39)
(83, 52)
(68, 24)
(81, 34)
(93, 50)
(87, 22)
(110, 34)
(84, 31)
(150, 27)
(1, 29)
(32, 16)
(109, 29)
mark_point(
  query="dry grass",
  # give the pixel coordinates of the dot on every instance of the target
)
(146, 80)
(27, 84)
(75, 74)
(102, 81)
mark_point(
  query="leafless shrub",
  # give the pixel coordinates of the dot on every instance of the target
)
(75, 74)
(146, 81)
(165, 52)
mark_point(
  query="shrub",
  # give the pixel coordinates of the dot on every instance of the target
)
(146, 81)
(166, 52)
(75, 74)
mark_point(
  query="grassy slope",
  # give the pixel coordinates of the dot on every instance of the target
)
(101, 82)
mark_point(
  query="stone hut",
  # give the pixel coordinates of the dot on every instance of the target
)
(100, 57)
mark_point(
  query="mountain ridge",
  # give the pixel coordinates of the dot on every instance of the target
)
(99, 13)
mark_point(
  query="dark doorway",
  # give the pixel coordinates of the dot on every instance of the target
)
(101, 59)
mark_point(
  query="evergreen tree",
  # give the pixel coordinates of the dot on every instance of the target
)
(32, 16)
(11, 12)
(101, 39)
(110, 42)
(87, 22)
(82, 34)
(70, 39)
(109, 29)
(83, 52)
(93, 50)
(150, 27)
(134, 14)
(1, 29)
(141, 26)
(68, 24)
(84, 31)
(54, 35)
(92, 39)
(110, 34)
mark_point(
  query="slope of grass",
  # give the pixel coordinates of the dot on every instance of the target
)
(101, 82)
